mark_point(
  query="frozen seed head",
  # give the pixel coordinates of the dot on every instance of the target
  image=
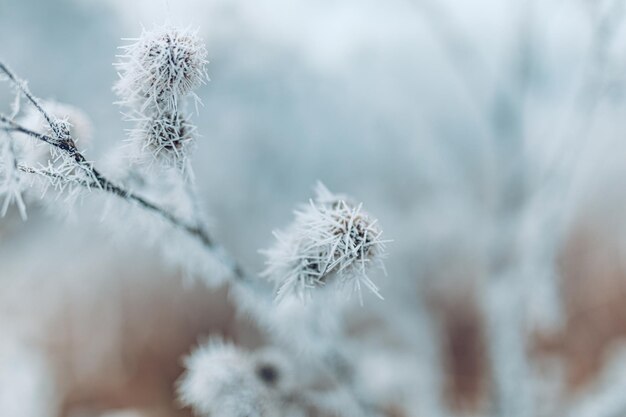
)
(162, 66)
(331, 241)
(166, 139)
(221, 380)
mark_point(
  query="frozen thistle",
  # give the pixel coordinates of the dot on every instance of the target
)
(157, 73)
(331, 240)
(66, 123)
(164, 138)
(160, 68)
(221, 380)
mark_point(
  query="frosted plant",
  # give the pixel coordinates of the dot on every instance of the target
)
(157, 73)
(222, 380)
(12, 183)
(37, 157)
(225, 380)
(331, 241)
(331, 244)
(37, 153)
(11, 180)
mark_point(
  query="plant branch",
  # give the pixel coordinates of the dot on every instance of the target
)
(197, 231)
(21, 85)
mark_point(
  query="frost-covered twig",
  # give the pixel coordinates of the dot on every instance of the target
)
(21, 86)
(66, 144)
(95, 179)
(100, 181)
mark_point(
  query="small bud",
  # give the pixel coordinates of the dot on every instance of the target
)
(160, 68)
(331, 240)
(70, 122)
(221, 381)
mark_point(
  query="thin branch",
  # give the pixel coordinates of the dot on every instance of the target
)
(21, 85)
(52, 175)
(197, 231)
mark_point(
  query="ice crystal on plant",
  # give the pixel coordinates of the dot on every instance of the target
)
(330, 240)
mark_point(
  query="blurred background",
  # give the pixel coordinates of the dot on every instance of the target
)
(487, 136)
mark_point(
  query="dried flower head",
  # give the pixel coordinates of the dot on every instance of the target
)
(331, 240)
(165, 139)
(161, 67)
(221, 380)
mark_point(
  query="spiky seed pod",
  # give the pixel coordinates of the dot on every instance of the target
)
(330, 241)
(165, 138)
(160, 68)
(221, 381)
